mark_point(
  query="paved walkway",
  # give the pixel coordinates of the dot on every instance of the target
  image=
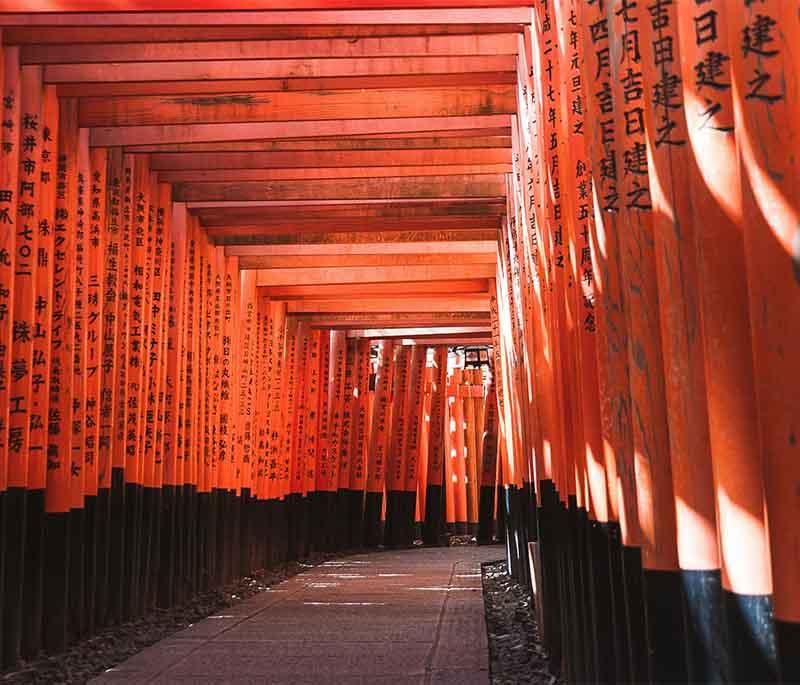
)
(414, 616)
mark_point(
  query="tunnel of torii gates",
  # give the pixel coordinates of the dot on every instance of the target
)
(238, 244)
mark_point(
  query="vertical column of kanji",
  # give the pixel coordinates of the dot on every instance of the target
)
(287, 412)
(395, 467)
(612, 356)
(334, 402)
(299, 504)
(204, 410)
(25, 85)
(59, 413)
(308, 443)
(107, 406)
(121, 172)
(229, 268)
(581, 329)
(348, 502)
(488, 472)
(713, 179)
(160, 308)
(415, 401)
(682, 344)
(261, 428)
(360, 430)
(214, 294)
(247, 285)
(546, 69)
(346, 444)
(434, 502)
(175, 240)
(94, 219)
(9, 90)
(651, 445)
(322, 477)
(190, 410)
(43, 174)
(378, 439)
(135, 351)
(764, 39)
(277, 508)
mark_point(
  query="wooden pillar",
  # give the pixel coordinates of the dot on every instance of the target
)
(434, 496)
(763, 39)
(379, 436)
(415, 401)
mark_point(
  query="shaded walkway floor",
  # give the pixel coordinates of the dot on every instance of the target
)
(412, 616)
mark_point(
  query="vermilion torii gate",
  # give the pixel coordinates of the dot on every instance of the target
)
(213, 216)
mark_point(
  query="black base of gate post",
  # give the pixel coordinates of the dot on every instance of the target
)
(355, 511)
(605, 623)
(666, 628)
(56, 570)
(13, 534)
(167, 521)
(244, 534)
(102, 533)
(132, 568)
(706, 632)
(293, 515)
(33, 586)
(486, 515)
(633, 575)
(77, 575)
(751, 638)
(788, 640)
(433, 529)
(116, 547)
(373, 503)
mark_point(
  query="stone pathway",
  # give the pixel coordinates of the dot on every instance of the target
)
(412, 616)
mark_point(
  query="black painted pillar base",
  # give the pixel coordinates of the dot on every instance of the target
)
(56, 570)
(169, 557)
(605, 617)
(33, 590)
(355, 514)
(433, 529)
(394, 516)
(77, 575)
(373, 532)
(788, 640)
(706, 632)
(245, 533)
(486, 515)
(665, 627)
(635, 607)
(751, 638)
(103, 531)
(13, 534)
(116, 547)
(89, 562)
(132, 567)
(293, 514)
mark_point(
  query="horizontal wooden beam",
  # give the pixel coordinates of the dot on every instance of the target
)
(431, 142)
(55, 35)
(370, 82)
(191, 51)
(373, 260)
(464, 286)
(231, 213)
(190, 133)
(238, 107)
(472, 247)
(396, 319)
(94, 72)
(353, 237)
(190, 13)
(415, 332)
(449, 340)
(304, 159)
(488, 186)
(385, 226)
(395, 274)
(440, 303)
(313, 173)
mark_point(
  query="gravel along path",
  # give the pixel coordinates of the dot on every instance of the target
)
(516, 654)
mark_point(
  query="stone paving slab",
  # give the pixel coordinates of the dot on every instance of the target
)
(411, 616)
